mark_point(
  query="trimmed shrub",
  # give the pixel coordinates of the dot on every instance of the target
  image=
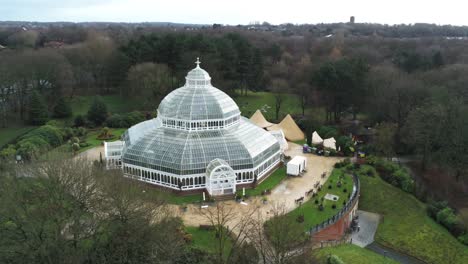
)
(333, 206)
(320, 207)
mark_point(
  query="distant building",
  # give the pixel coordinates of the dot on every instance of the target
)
(351, 20)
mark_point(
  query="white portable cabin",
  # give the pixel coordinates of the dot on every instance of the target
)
(297, 165)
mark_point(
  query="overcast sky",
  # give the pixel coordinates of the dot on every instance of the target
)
(238, 11)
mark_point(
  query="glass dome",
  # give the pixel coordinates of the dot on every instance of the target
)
(197, 124)
(198, 100)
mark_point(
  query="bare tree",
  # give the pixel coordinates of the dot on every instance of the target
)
(280, 87)
(279, 240)
(229, 226)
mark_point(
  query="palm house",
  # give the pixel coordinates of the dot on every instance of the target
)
(199, 140)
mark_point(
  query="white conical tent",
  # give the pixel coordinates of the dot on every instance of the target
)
(291, 130)
(316, 138)
(329, 143)
(279, 135)
(258, 119)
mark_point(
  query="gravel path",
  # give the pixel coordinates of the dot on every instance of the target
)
(285, 193)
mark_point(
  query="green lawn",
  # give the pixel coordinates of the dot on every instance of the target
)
(406, 226)
(312, 215)
(186, 199)
(93, 141)
(274, 179)
(352, 254)
(205, 240)
(9, 134)
(115, 104)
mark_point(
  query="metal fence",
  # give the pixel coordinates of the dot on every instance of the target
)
(348, 206)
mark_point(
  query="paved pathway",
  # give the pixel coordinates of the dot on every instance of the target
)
(285, 193)
(390, 253)
(368, 223)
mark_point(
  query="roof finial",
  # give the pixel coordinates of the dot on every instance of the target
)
(198, 62)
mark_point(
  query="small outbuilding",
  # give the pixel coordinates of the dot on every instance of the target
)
(296, 166)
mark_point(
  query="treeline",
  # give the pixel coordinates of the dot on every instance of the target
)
(395, 85)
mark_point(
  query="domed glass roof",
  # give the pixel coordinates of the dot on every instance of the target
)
(198, 100)
(181, 149)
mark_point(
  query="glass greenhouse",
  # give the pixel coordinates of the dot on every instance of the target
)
(198, 135)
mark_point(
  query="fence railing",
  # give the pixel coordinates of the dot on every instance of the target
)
(345, 210)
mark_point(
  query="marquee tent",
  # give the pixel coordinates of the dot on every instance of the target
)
(316, 138)
(258, 119)
(291, 130)
(329, 143)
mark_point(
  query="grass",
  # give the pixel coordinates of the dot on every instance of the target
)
(352, 254)
(93, 141)
(9, 134)
(205, 240)
(181, 200)
(268, 184)
(406, 227)
(115, 104)
(312, 215)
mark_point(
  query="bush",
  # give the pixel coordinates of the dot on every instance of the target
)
(81, 131)
(316, 201)
(334, 259)
(79, 121)
(300, 219)
(84, 145)
(434, 207)
(333, 206)
(329, 186)
(394, 174)
(8, 152)
(125, 120)
(52, 135)
(345, 143)
(327, 131)
(342, 164)
(447, 218)
(463, 239)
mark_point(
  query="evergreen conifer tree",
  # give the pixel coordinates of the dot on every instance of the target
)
(97, 112)
(37, 110)
(62, 109)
